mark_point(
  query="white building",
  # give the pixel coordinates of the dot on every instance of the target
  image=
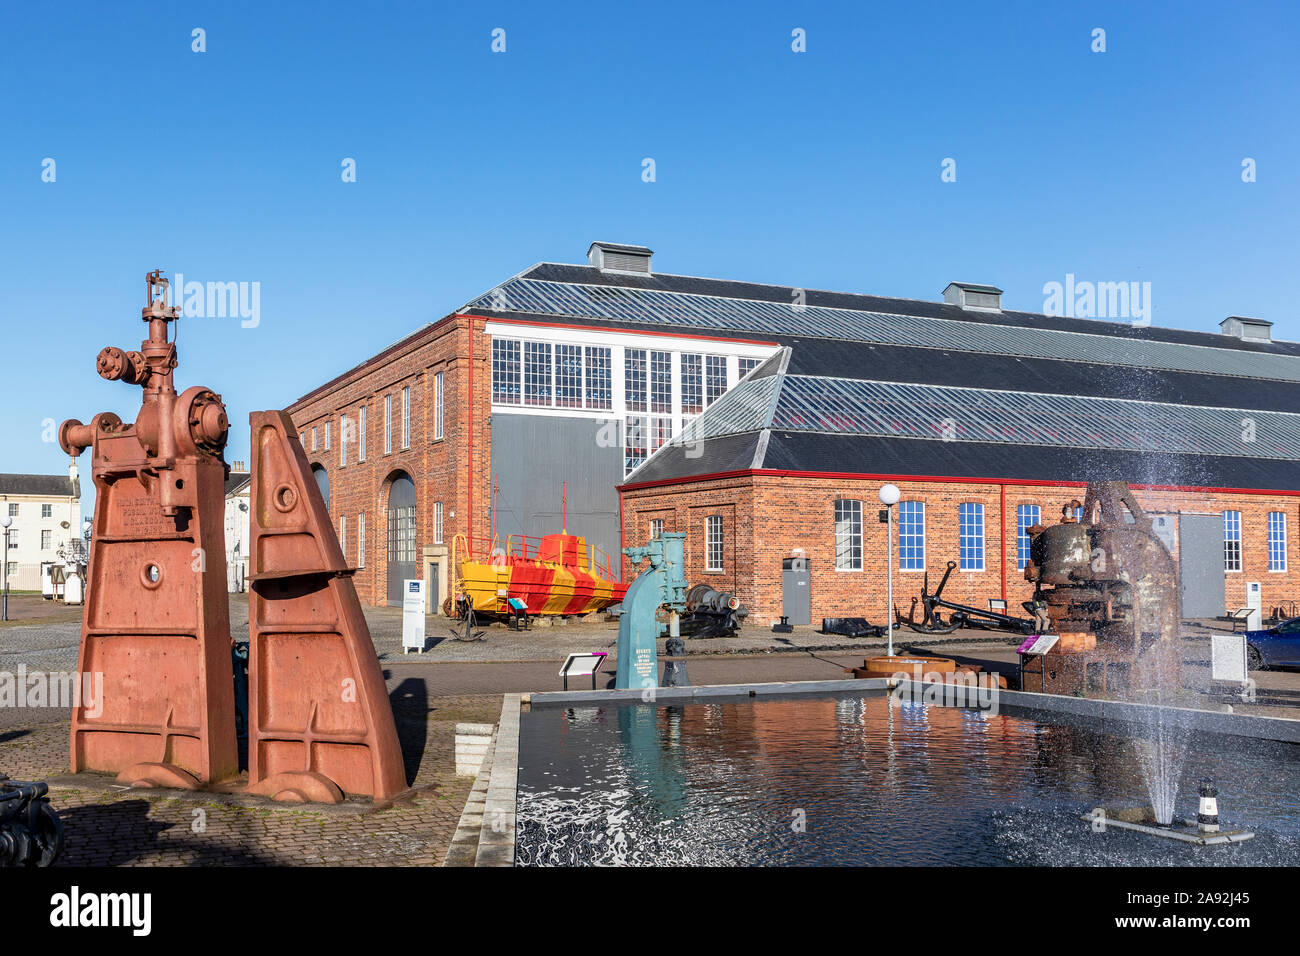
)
(237, 505)
(45, 511)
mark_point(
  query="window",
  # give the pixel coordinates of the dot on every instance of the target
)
(313, 438)
(437, 522)
(361, 433)
(13, 539)
(343, 533)
(47, 539)
(715, 378)
(747, 365)
(634, 379)
(568, 376)
(970, 520)
(911, 536)
(361, 540)
(437, 407)
(600, 392)
(1026, 517)
(848, 535)
(327, 435)
(1232, 541)
(634, 443)
(692, 384)
(388, 424)
(661, 383)
(660, 431)
(1277, 540)
(537, 373)
(656, 527)
(345, 432)
(406, 417)
(505, 371)
(713, 543)
(13, 510)
(47, 511)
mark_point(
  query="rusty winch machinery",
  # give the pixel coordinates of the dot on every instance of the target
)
(157, 624)
(1108, 586)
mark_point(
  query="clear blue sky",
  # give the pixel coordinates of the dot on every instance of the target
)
(819, 169)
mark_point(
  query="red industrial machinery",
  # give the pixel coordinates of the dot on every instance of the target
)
(156, 623)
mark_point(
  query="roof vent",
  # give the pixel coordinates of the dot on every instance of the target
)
(613, 257)
(1248, 330)
(982, 298)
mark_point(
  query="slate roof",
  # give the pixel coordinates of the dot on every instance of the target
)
(51, 486)
(863, 385)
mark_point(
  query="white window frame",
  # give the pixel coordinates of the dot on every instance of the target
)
(343, 441)
(406, 417)
(921, 566)
(1232, 527)
(361, 433)
(1022, 530)
(437, 522)
(437, 406)
(975, 541)
(714, 539)
(343, 533)
(848, 534)
(656, 527)
(1277, 536)
(361, 540)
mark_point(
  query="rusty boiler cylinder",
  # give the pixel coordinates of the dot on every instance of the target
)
(1064, 554)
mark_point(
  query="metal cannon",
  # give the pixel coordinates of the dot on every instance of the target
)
(711, 613)
(31, 833)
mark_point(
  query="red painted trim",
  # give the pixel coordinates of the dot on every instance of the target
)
(1002, 518)
(469, 523)
(605, 328)
(949, 479)
(622, 537)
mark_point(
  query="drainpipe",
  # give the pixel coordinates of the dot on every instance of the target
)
(1002, 537)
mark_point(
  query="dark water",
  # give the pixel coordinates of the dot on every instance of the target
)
(858, 780)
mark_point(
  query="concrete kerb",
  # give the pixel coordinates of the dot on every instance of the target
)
(496, 845)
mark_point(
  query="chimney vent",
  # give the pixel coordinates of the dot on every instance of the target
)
(969, 295)
(613, 257)
(1247, 329)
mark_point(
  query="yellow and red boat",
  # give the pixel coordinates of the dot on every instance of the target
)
(558, 574)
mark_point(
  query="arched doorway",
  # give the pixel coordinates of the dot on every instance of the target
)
(402, 563)
(323, 483)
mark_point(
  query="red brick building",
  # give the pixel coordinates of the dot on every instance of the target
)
(762, 421)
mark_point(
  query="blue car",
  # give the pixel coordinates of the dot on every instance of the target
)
(1274, 646)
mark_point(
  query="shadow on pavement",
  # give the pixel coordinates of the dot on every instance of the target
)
(410, 702)
(120, 833)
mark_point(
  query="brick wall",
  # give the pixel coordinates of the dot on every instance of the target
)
(779, 517)
(439, 468)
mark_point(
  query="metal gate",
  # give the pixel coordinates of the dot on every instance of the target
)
(401, 537)
(1200, 564)
(796, 591)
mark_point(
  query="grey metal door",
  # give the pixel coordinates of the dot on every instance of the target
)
(401, 537)
(1200, 564)
(796, 591)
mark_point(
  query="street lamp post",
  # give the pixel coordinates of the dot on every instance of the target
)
(5, 522)
(889, 495)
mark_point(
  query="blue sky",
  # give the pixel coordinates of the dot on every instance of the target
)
(818, 169)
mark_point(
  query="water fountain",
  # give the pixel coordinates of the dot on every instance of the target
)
(1110, 587)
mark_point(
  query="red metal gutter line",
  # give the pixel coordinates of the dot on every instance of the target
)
(948, 479)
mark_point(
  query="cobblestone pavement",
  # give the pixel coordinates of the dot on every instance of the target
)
(111, 827)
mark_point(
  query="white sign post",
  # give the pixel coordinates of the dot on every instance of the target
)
(413, 615)
(1254, 601)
